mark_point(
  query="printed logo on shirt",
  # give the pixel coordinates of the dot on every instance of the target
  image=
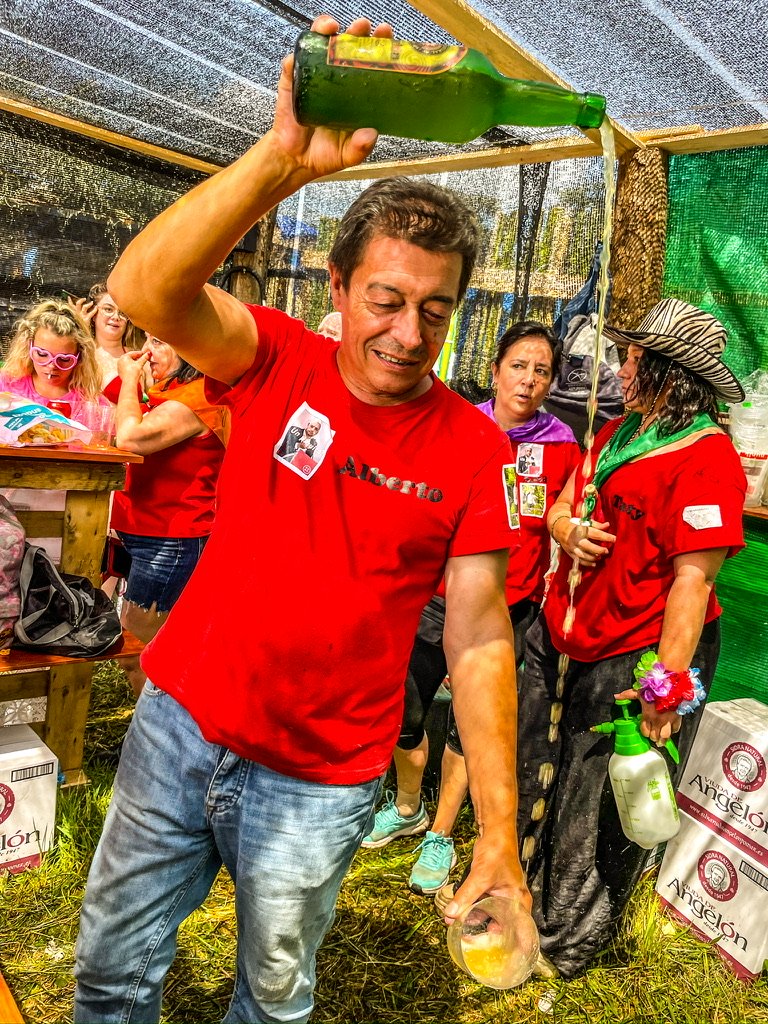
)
(631, 510)
(703, 517)
(374, 475)
(304, 442)
(509, 479)
(530, 459)
(533, 499)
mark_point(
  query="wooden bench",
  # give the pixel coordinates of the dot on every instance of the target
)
(66, 685)
(87, 476)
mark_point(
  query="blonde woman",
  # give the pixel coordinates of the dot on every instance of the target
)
(112, 331)
(52, 357)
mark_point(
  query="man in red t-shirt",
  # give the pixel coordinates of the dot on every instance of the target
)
(275, 698)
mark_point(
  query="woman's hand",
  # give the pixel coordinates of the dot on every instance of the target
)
(587, 543)
(658, 726)
(322, 150)
(85, 307)
(130, 367)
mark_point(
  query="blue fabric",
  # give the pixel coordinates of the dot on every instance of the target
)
(181, 808)
(160, 568)
(584, 301)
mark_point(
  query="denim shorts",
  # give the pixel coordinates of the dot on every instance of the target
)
(160, 568)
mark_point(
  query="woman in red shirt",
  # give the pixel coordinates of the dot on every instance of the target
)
(166, 511)
(663, 512)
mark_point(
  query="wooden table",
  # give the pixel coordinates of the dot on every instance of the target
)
(87, 475)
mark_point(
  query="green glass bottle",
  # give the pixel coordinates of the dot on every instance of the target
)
(422, 90)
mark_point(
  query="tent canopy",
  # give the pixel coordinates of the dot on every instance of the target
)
(199, 79)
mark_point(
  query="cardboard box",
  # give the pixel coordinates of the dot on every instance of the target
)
(725, 783)
(720, 891)
(28, 786)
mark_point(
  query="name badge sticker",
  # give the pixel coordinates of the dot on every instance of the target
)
(703, 517)
(530, 459)
(509, 479)
(533, 499)
(305, 441)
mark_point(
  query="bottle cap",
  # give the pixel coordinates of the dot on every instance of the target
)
(629, 739)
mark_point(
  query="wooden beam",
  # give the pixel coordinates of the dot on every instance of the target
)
(701, 141)
(472, 29)
(69, 124)
(689, 139)
(508, 156)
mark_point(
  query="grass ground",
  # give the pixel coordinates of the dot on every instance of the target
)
(385, 961)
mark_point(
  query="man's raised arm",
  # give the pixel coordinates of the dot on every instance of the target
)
(160, 281)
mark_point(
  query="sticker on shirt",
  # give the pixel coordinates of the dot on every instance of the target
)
(703, 517)
(530, 459)
(509, 476)
(533, 499)
(305, 441)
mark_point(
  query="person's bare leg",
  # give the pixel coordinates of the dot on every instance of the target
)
(453, 789)
(144, 623)
(409, 769)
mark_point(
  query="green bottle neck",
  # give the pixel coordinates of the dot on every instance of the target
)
(539, 104)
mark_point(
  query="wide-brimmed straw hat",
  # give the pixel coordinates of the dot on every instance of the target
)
(688, 336)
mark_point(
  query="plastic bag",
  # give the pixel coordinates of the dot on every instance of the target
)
(62, 613)
(569, 392)
(11, 554)
(24, 423)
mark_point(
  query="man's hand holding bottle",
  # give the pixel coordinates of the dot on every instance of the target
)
(321, 151)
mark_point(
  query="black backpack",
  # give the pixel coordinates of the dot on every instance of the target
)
(61, 613)
(570, 390)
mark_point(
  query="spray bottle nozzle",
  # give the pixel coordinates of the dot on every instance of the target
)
(629, 738)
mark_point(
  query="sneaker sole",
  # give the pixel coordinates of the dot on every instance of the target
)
(431, 891)
(412, 830)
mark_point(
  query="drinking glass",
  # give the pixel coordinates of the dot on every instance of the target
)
(495, 941)
(100, 420)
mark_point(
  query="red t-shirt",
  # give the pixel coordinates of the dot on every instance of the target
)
(335, 518)
(172, 493)
(670, 504)
(542, 470)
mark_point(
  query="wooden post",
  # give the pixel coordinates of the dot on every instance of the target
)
(249, 284)
(639, 236)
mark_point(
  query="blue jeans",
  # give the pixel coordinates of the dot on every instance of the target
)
(180, 809)
(160, 568)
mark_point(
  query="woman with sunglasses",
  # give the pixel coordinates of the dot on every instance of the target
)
(52, 357)
(51, 360)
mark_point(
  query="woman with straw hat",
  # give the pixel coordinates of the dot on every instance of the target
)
(641, 545)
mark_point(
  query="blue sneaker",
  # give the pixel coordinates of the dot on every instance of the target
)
(431, 870)
(389, 824)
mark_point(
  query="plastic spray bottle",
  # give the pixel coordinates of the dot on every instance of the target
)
(640, 782)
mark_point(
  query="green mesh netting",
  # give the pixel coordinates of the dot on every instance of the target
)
(716, 258)
(716, 252)
(742, 588)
